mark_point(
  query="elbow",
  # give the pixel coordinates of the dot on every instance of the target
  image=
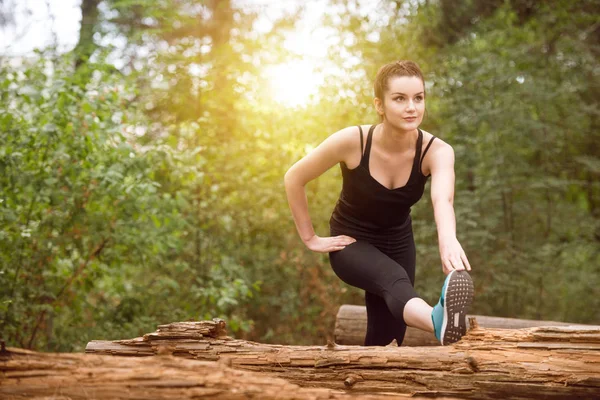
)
(294, 177)
(289, 178)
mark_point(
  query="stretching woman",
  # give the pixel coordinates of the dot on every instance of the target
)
(371, 244)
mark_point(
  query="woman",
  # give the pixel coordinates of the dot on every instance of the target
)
(371, 244)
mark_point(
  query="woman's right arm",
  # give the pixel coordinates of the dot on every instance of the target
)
(330, 152)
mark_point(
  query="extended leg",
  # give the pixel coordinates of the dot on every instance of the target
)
(417, 313)
(382, 327)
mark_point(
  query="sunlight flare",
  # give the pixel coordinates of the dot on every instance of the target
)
(293, 83)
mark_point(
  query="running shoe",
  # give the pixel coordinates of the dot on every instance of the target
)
(449, 314)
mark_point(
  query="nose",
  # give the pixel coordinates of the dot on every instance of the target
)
(410, 107)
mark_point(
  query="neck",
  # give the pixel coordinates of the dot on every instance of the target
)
(395, 139)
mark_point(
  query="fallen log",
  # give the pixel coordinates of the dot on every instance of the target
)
(351, 327)
(543, 362)
(30, 375)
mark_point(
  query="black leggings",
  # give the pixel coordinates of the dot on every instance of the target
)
(385, 270)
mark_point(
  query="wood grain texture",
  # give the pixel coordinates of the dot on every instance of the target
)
(542, 362)
(60, 376)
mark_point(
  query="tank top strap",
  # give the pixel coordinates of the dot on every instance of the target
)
(364, 161)
(425, 152)
(417, 158)
(361, 141)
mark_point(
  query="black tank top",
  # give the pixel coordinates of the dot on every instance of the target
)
(365, 205)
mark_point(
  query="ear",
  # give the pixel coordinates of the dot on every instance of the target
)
(378, 106)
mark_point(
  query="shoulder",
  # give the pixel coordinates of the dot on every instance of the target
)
(438, 148)
(438, 155)
(348, 139)
(352, 133)
(349, 134)
(334, 149)
(347, 144)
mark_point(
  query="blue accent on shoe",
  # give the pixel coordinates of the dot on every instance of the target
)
(437, 314)
(437, 317)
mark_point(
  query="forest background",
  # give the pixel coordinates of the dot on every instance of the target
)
(150, 190)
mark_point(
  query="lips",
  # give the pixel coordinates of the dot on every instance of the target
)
(410, 119)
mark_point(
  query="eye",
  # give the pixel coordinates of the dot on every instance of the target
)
(399, 98)
(419, 98)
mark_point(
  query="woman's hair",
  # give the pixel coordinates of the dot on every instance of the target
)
(393, 69)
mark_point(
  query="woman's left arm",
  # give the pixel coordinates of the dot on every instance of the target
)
(442, 196)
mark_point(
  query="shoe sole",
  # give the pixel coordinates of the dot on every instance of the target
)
(457, 301)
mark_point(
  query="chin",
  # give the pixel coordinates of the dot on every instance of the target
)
(408, 126)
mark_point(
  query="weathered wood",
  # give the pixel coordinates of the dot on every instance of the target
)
(30, 375)
(351, 327)
(544, 362)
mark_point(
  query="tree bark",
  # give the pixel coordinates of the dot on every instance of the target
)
(543, 362)
(351, 327)
(26, 374)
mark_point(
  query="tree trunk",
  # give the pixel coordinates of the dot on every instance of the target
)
(544, 362)
(89, 20)
(30, 375)
(351, 327)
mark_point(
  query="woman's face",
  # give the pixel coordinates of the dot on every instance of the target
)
(404, 102)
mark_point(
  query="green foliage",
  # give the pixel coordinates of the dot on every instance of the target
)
(89, 234)
(75, 196)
